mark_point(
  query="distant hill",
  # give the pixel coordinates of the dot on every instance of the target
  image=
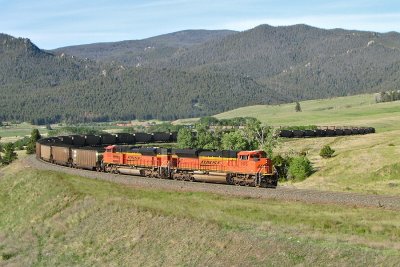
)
(192, 73)
(136, 52)
(41, 87)
(300, 61)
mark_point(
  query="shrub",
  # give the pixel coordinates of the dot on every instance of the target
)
(300, 168)
(326, 152)
(281, 165)
(9, 154)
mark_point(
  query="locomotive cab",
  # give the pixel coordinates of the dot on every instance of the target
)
(110, 149)
(255, 162)
(110, 156)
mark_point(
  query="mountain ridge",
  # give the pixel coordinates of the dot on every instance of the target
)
(202, 75)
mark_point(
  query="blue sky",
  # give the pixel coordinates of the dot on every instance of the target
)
(55, 23)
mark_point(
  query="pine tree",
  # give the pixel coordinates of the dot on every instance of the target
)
(31, 147)
(9, 154)
(298, 107)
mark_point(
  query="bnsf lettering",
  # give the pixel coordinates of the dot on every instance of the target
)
(210, 162)
(133, 158)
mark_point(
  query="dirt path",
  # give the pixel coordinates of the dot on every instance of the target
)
(280, 193)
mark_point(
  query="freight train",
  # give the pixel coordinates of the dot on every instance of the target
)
(326, 132)
(121, 154)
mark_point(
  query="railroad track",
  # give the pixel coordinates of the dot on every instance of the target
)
(280, 193)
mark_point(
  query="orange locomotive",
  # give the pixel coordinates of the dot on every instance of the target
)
(250, 168)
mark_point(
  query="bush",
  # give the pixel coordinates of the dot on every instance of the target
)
(326, 152)
(300, 168)
(9, 154)
(281, 165)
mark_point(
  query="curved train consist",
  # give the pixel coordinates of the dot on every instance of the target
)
(121, 153)
(326, 132)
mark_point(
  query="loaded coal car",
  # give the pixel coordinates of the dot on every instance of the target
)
(39, 143)
(161, 137)
(369, 130)
(92, 140)
(174, 136)
(320, 132)
(87, 157)
(125, 138)
(143, 137)
(298, 133)
(339, 132)
(309, 133)
(45, 152)
(347, 131)
(330, 132)
(286, 133)
(61, 154)
(38, 150)
(108, 139)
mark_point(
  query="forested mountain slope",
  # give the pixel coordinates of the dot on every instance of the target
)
(41, 87)
(136, 52)
(299, 61)
(302, 61)
(192, 73)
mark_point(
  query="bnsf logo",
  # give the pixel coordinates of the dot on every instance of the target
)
(209, 162)
(134, 158)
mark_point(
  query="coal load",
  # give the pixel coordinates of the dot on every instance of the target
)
(309, 133)
(330, 132)
(67, 140)
(161, 137)
(361, 131)
(347, 132)
(125, 138)
(286, 133)
(143, 137)
(320, 133)
(108, 139)
(369, 130)
(298, 133)
(339, 132)
(92, 140)
(78, 140)
(174, 136)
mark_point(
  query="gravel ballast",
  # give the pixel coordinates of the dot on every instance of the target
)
(280, 193)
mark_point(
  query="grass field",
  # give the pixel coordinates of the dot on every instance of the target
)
(366, 164)
(51, 219)
(14, 132)
(359, 110)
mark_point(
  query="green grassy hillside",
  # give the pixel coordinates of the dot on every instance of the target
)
(358, 110)
(368, 163)
(51, 219)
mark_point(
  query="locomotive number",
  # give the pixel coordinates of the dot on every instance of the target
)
(209, 162)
